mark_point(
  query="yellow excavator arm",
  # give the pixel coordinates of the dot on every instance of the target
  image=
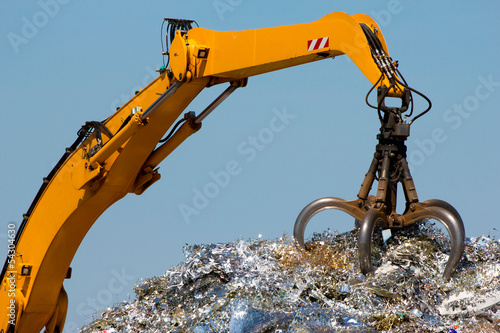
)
(120, 155)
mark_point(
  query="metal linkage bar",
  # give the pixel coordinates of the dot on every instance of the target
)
(215, 104)
(156, 104)
(222, 97)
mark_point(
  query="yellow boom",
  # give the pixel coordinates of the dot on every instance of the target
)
(121, 155)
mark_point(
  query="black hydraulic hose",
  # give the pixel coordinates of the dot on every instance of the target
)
(388, 68)
(377, 50)
(82, 135)
(424, 97)
(84, 132)
(172, 26)
(161, 41)
(368, 94)
(173, 130)
(125, 122)
(405, 85)
(381, 58)
(370, 91)
(371, 42)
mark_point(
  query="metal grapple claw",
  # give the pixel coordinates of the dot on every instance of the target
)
(317, 206)
(389, 167)
(368, 224)
(449, 217)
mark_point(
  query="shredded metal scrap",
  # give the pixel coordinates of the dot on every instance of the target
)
(275, 286)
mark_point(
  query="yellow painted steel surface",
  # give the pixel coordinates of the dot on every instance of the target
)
(85, 186)
(240, 54)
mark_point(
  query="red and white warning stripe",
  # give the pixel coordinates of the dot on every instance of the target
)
(316, 44)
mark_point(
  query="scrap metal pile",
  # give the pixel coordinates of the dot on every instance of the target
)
(275, 286)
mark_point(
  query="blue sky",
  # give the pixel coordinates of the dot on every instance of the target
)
(67, 62)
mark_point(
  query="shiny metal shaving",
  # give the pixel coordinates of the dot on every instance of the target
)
(275, 286)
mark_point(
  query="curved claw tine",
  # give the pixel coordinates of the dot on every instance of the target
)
(448, 216)
(368, 224)
(312, 209)
(444, 205)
